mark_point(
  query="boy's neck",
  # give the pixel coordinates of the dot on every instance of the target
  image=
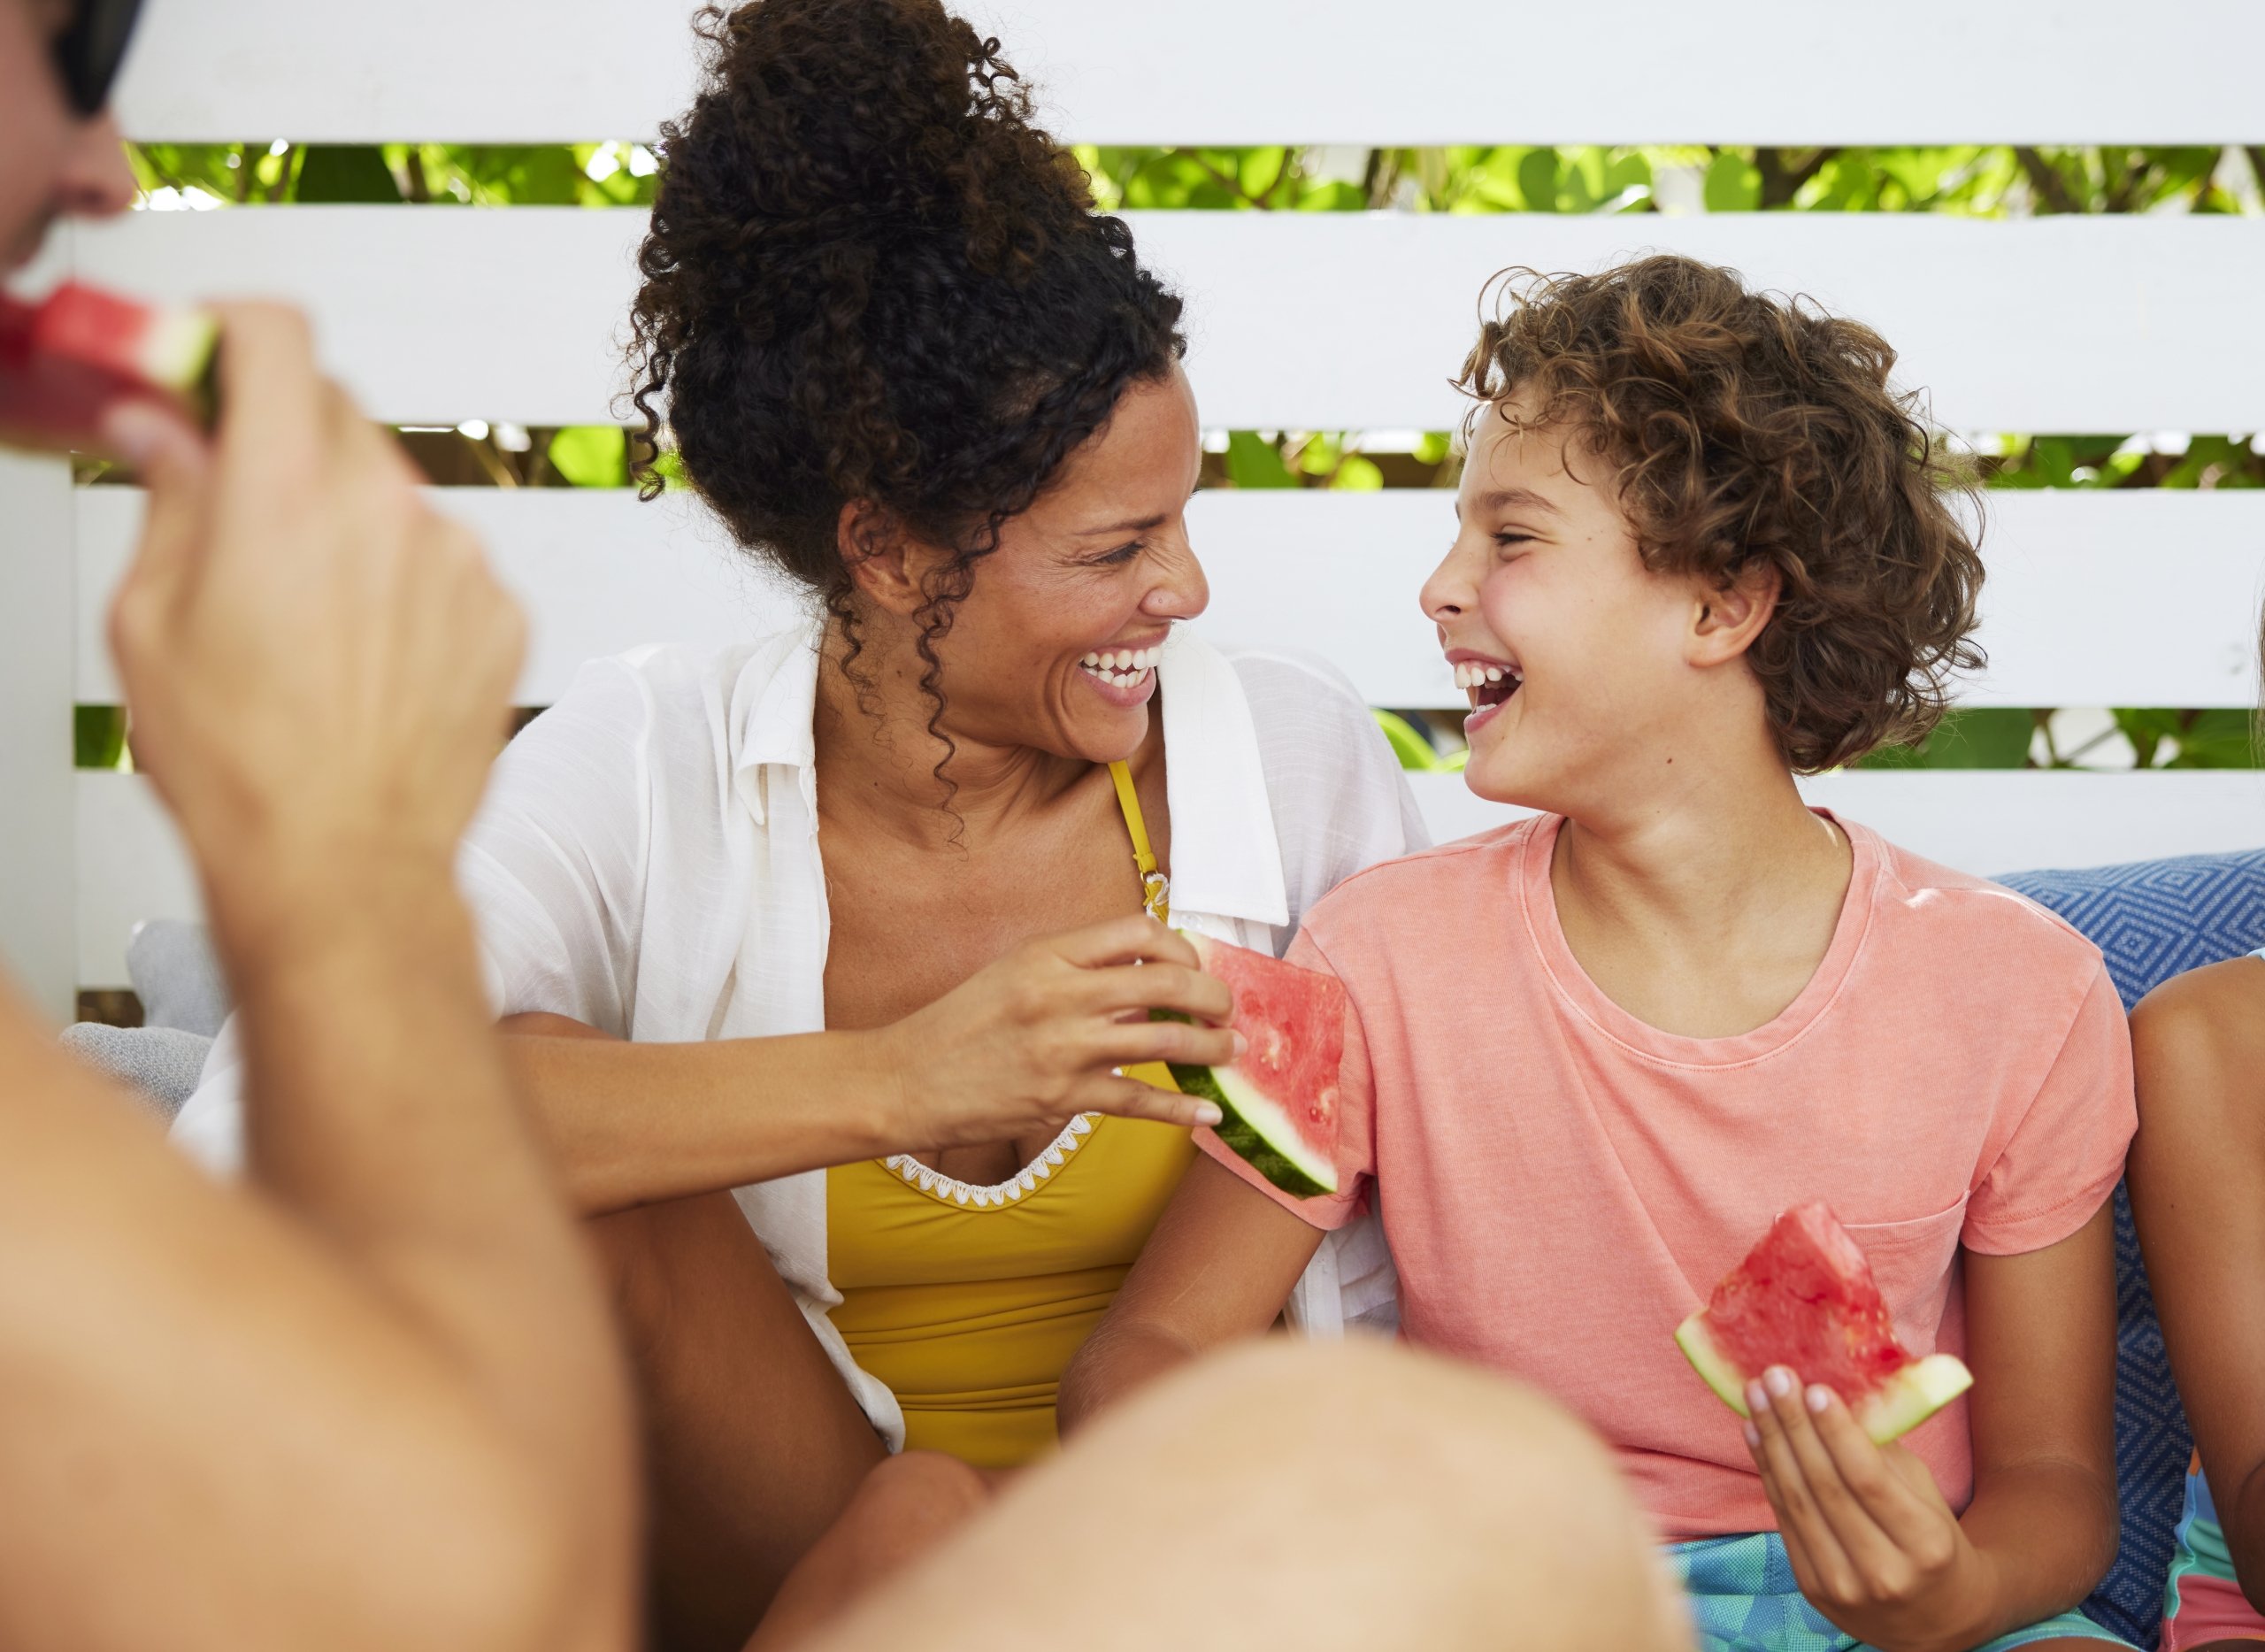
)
(1703, 911)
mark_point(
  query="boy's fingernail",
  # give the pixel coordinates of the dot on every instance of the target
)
(1208, 1115)
(1779, 1380)
(1819, 1396)
(1757, 1397)
(1753, 1436)
(1242, 1047)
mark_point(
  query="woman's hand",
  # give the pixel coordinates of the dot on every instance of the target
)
(1873, 1545)
(1036, 1039)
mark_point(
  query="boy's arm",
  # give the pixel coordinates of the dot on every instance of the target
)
(1873, 1545)
(1220, 1264)
(2197, 1193)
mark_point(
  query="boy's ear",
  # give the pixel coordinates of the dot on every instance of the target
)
(885, 562)
(1728, 618)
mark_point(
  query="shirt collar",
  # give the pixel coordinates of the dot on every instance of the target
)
(1225, 860)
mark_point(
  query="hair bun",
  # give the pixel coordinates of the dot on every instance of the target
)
(889, 115)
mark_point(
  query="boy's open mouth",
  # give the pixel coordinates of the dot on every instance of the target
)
(1488, 683)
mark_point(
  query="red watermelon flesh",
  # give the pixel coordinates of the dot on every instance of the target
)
(66, 362)
(1804, 1298)
(1280, 1099)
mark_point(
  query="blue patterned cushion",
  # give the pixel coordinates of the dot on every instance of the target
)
(2153, 919)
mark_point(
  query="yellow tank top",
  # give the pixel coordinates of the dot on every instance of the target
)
(968, 1301)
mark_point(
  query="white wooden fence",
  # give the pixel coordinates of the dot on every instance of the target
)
(1314, 321)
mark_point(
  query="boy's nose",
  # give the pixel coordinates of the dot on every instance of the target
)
(95, 181)
(1450, 590)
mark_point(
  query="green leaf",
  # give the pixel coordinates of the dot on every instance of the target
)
(98, 736)
(1408, 743)
(2220, 739)
(345, 173)
(1984, 738)
(592, 456)
(1255, 462)
(1357, 473)
(1538, 180)
(1733, 183)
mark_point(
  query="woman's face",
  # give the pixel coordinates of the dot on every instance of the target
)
(1056, 645)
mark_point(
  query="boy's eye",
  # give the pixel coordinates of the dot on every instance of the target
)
(1513, 538)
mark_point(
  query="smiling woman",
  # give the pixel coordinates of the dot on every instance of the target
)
(822, 948)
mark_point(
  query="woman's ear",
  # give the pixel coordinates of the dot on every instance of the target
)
(884, 564)
(1728, 618)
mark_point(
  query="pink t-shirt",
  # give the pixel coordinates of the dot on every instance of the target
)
(1562, 1183)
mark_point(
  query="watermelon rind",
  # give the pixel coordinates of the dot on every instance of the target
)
(1259, 1132)
(1900, 1404)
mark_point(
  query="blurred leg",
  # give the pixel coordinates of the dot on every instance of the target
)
(1351, 1496)
(753, 1444)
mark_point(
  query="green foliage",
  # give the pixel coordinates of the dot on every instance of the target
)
(98, 736)
(1979, 739)
(592, 456)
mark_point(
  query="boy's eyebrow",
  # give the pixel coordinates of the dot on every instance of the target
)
(1514, 499)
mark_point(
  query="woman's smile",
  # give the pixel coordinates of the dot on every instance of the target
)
(1124, 677)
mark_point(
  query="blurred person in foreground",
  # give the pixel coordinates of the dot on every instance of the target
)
(368, 1396)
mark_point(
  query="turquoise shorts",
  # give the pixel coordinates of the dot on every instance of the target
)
(1744, 1599)
(2204, 1603)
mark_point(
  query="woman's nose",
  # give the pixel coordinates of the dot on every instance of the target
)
(1180, 592)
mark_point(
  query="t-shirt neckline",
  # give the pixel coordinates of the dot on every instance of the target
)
(1585, 998)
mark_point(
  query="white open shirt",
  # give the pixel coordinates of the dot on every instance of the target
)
(647, 862)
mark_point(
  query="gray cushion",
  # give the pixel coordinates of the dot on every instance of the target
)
(162, 1063)
(177, 976)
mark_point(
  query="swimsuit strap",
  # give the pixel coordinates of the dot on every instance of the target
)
(1156, 888)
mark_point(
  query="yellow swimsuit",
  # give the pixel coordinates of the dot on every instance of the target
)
(968, 1301)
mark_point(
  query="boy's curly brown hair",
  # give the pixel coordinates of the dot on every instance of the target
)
(1746, 428)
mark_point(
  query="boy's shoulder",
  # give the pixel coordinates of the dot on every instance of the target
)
(1471, 871)
(1961, 910)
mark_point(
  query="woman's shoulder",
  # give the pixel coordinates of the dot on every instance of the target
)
(666, 703)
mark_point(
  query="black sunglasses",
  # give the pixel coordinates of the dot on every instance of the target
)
(90, 49)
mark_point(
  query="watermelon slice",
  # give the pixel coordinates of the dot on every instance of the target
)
(65, 363)
(1280, 1099)
(1804, 1298)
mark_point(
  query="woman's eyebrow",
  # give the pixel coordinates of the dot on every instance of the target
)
(1139, 527)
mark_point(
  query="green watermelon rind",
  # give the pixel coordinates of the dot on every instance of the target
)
(1245, 1115)
(1900, 1405)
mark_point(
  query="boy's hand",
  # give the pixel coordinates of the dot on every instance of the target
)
(1873, 1545)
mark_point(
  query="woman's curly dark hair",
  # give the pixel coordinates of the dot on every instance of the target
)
(1744, 427)
(870, 277)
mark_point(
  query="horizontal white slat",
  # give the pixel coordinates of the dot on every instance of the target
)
(1300, 320)
(131, 866)
(2146, 597)
(1991, 821)
(1324, 70)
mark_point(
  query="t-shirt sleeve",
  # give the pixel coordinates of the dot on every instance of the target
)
(2065, 1154)
(1355, 1115)
(553, 867)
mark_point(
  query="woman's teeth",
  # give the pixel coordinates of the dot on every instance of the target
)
(1122, 668)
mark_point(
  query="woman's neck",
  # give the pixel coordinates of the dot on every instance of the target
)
(877, 753)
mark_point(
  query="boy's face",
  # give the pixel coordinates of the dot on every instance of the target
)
(1573, 654)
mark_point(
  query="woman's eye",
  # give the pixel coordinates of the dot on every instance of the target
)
(1118, 557)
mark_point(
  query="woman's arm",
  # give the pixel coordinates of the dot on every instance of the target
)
(1220, 1264)
(1873, 1545)
(2198, 1192)
(1030, 1041)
